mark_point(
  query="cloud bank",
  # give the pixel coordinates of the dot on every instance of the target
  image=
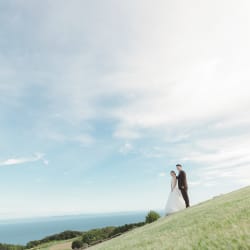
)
(23, 160)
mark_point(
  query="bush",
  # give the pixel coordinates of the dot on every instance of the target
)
(94, 235)
(125, 228)
(11, 247)
(152, 216)
(77, 244)
(66, 235)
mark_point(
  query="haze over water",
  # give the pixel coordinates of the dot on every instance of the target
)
(25, 230)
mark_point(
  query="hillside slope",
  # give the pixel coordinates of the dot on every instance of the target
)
(220, 223)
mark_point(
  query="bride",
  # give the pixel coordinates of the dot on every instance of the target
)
(175, 201)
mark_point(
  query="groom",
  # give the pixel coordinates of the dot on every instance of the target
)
(182, 184)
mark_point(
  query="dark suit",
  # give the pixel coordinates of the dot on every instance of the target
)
(182, 184)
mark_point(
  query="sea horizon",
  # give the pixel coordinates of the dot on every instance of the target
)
(57, 215)
(22, 230)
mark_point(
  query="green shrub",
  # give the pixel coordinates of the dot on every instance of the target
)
(152, 216)
(97, 234)
(125, 228)
(77, 244)
(66, 235)
(11, 247)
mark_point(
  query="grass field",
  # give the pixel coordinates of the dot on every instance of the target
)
(55, 245)
(220, 223)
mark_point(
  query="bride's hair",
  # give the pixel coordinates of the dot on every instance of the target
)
(173, 172)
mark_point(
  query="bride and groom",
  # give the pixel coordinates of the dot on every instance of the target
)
(178, 198)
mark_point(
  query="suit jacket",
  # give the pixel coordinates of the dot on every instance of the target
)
(182, 180)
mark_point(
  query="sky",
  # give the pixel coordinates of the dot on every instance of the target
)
(100, 99)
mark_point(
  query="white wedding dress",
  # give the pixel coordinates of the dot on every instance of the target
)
(175, 201)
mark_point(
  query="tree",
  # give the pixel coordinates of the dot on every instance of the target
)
(77, 244)
(152, 216)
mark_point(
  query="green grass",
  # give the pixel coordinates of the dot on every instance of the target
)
(56, 245)
(220, 223)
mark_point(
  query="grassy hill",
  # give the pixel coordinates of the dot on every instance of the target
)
(220, 223)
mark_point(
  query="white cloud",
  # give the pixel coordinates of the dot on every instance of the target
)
(125, 133)
(222, 159)
(168, 74)
(23, 160)
(170, 78)
(164, 71)
(167, 82)
(162, 174)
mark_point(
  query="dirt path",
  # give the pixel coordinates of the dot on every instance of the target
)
(61, 246)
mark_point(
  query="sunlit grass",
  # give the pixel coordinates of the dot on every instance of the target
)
(56, 245)
(221, 223)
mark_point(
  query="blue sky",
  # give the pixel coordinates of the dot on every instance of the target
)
(100, 99)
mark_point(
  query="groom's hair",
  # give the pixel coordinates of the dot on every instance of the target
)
(178, 165)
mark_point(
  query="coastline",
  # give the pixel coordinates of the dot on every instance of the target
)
(21, 231)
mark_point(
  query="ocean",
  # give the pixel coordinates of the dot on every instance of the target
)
(22, 231)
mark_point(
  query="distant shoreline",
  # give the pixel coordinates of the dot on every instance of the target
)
(38, 228)
(44, 217)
